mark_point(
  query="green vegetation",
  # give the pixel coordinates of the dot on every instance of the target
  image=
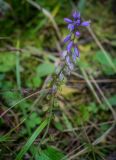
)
(79, 123)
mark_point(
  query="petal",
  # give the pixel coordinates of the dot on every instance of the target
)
(67, 20)
(76, 51)
(77, 33)
(67, 38)
(69, 46)
(76, 14)
(68, 60)
(86, 23)
(71, 27)
(74, 56)
(70, 65)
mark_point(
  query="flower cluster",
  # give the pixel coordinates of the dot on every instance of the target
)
(72, 52)
(72, 48)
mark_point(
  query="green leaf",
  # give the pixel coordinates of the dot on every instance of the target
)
(67, 122)
(51, 154)
(7, 61)
(45, 69)
(30, 141)
(112, 100)
(4, 138)
(81, 5)
(34, 82)
(33, 120)
(101, 58)
(93, 108)
(59, 126)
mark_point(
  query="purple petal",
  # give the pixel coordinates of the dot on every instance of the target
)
(67, 20)
(70, 65)
(78, 21)
(67, 38)
(76, 51)
(69, 46)
(68, 60)
(76, 15)
(77, 33)
(71, 27)
(85, 24)
(74, 56)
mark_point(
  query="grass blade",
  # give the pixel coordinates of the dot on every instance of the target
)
(31, 140)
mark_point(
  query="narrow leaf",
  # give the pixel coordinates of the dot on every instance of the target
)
(31, 140)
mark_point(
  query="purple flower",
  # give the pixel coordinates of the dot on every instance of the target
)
(78, 22)
(71, 27)
(74, 56)
(76, 15)
(76, 51)
(67, 20)
(77, 33)
(85, 24)
(70, 65)
(69, 46)
(74, 25)
(67, 38)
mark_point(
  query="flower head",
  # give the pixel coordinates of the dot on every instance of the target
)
(73, 25)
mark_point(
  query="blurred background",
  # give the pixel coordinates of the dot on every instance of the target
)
(83, 124)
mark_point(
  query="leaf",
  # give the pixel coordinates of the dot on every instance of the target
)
(33, 120)
(51, 154)
(93, 108)
(7, 61)
(65, 90)
(45, 69)
(59, 126)
(112, 100)
(67, 122)
(34, 82)
(30, 141)
(84, 115)
(101, 58)
(81, 5)
(4, 138)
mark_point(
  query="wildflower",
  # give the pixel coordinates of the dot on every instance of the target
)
(74, 56)
(76, 51)
(85, 24)
(69, 46)
(71, 27)
(72, 48)
(69, 63)
(76, 15)
(77, 33)
(67, 38)
(68, 20)
(71, 53)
